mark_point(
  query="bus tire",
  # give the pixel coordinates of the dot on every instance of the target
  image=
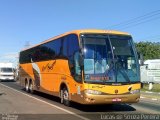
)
(26, 86)
(65, 97)
(31, 89)
(61, 96)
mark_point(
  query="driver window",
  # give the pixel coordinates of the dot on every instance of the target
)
(77, 67)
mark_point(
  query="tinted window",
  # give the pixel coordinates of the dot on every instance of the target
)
(70, 47)
(73, 44)
(51, 49)
(65, 47)
(47, 51)
(25, 56)
(36, 54)
(61, 48)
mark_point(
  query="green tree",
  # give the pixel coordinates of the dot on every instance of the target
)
(149, 50)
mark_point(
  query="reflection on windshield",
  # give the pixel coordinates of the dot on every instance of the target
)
(126, 64)
(109, 59)
(95, 61)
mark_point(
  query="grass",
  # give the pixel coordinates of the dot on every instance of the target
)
(156, 87)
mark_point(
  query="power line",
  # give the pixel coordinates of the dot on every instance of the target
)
(152, 37)
(135, 24)
(137, 19)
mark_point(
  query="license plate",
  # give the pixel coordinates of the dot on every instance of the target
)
(116, 100)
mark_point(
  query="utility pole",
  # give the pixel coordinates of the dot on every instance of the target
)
(27, 44)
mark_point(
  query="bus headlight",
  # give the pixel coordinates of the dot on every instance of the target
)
(135, 91)
(94, 92)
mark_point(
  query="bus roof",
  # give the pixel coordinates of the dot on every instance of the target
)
(80, 32)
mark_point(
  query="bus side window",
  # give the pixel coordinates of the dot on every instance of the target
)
(72, 48)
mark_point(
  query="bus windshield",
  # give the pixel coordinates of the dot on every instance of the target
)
(109, 59)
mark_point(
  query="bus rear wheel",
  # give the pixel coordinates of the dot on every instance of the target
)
(31, 87)
(65, 97)
(26, 86)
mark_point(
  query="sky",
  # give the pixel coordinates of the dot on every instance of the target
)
(33, 21)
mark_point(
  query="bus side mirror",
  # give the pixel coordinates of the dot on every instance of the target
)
(141, 59)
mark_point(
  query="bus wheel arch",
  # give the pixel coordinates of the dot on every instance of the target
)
(64, 94)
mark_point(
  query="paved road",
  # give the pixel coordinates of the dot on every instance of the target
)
(14, 100)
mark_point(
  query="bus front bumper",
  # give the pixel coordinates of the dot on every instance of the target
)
(111, 99)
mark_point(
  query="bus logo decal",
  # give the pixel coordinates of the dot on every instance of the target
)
(48, 67)
(116, 91)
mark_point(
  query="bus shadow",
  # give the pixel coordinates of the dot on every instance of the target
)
(89, 108)
(104, 108)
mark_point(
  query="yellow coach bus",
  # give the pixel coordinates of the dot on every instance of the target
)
(84, 66)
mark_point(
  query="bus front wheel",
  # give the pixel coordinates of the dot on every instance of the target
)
(65, 97)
